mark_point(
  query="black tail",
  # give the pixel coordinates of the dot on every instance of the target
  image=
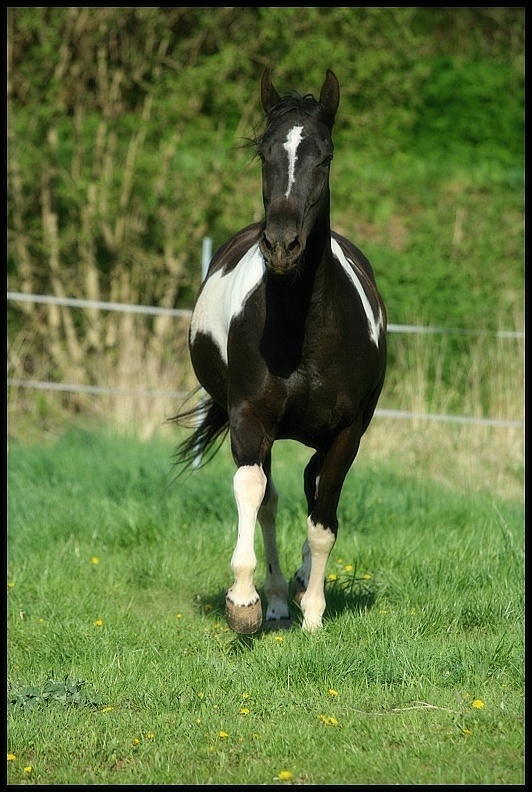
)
(210, 423)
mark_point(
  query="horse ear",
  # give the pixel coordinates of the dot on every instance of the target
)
(330, 92)
(269, 96)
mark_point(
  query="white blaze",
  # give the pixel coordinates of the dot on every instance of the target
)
(293, 139)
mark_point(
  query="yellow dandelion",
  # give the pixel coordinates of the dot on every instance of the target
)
(222, 735)
(332, 577)
(333, 692)
(98, 623)
(150, 735)
(11, 757)
(10, 585)
(467, 731)
(245, 695)
(198, 721)
(279, 638)
(330, 720)
(135, 741)
(349, 567)
(285, 775)
(477, 703)
(367, 576)
(28, 769)
(107, 709)
(179, 615)
(244, 711)
(95, 560)
(41, 621)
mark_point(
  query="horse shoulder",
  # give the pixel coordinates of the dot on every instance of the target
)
(360, 273)
(235, 271)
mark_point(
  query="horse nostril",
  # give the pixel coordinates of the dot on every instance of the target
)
(266, 242)
(293, 244)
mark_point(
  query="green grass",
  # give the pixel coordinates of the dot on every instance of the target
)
(117, 574)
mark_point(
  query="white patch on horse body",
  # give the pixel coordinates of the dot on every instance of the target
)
(224, 295)
(293, 139)
(375, 323)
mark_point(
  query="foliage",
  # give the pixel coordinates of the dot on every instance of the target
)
(71, 692)
(125, 148)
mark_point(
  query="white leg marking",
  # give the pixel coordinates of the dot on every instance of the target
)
(249, 485)
(293, 139)
(276, 585)
(320, 542)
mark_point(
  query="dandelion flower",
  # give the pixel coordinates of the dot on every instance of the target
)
(330, 720)
(244, 711)
(28, 769)
(179, 615)
(285, 775)
(10, 585)
(95, 560)
(107, 709)
(11, 757)
(333, 692)
(136, 741)
(245, 695)
(98, 623)
(279, 638)
(349, 567)
(332, 577)
(150, 735)
(222, 735)
(367, 576)
(477, 703)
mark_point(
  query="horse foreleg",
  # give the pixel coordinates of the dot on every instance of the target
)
(316, 551)
(242, 603)
(324, 478)
(276, 585)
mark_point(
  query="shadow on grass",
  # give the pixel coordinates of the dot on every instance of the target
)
(350, 594)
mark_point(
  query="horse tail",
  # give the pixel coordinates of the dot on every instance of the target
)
(211, 426)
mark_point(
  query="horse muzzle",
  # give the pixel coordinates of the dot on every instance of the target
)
(281, 255)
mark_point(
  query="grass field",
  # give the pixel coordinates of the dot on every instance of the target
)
(121, 669)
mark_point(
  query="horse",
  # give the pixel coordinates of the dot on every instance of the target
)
(288, 341)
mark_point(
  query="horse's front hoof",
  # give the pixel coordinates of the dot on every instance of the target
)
(243, 619)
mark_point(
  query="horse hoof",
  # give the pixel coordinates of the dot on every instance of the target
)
(299, 590)
(243, 619)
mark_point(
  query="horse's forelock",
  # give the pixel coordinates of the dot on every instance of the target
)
(307, 104)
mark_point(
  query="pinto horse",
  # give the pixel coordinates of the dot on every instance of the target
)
(287, 338)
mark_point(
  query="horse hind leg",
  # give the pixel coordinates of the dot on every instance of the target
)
(311, 481)
(242, 604)
(276, 585)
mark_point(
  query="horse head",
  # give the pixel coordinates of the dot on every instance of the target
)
(296, 151)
